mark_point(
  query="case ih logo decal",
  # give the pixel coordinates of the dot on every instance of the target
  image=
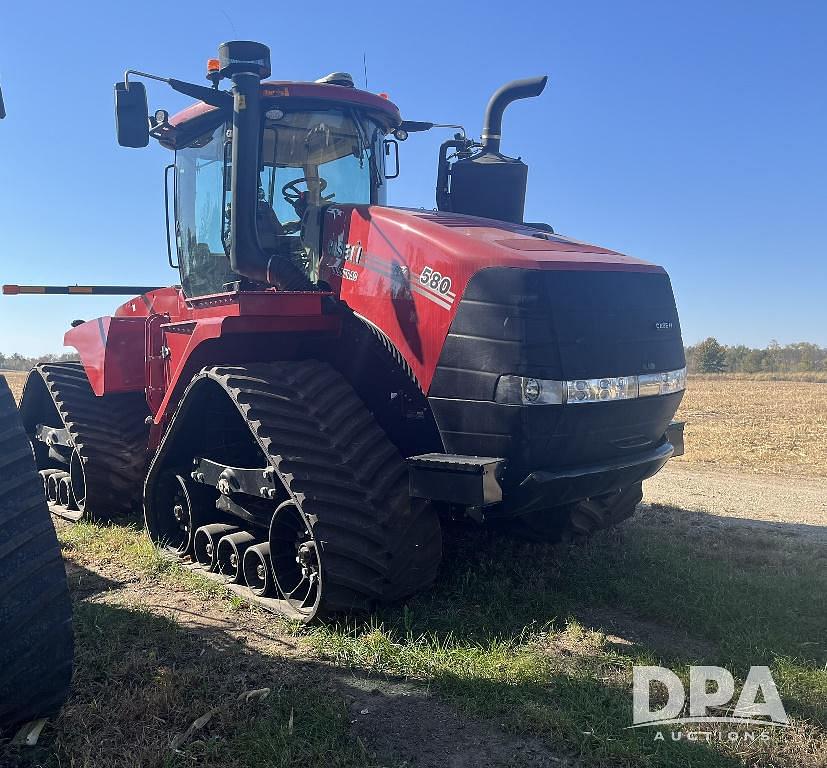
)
(344, 252)
(665, 325)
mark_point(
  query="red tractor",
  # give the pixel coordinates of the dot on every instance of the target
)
(333, 376)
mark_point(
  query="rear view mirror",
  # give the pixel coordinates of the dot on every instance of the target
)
(2, 106)
(131, 114)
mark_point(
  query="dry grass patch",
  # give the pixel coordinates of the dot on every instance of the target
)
(16, 381)
(777, 427)
(812, 376)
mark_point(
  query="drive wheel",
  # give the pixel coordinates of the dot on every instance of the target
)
(36, 643)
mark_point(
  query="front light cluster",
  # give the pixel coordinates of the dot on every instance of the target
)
(662, 383)
(525, 390)
(606, 388)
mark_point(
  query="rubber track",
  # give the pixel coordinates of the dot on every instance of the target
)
(592, 515)
(109, 432)
(377, 543)
(36, 643)
(576, 522)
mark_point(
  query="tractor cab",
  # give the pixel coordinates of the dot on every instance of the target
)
(255, 165)
(311, 154)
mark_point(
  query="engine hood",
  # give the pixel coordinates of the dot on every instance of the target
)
(487, 242)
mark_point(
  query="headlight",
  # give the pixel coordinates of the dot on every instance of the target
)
(662, 383)
(525, 390)
(606, 388)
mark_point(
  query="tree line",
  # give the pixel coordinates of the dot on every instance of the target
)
(709, 356)
(18, 362)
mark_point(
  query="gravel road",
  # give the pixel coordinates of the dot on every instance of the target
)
(766, 501)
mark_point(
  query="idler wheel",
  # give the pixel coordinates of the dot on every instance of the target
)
(230, 555)
(258, 572)
(205, 544)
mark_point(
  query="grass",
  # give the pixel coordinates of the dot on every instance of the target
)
(141, 680)
(532, 641)
(819, 377)
(538, 641)
(127, 545)
(770, 427)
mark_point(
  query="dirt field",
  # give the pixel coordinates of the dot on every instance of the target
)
(757, 426)
(521, 655)
(16, 381)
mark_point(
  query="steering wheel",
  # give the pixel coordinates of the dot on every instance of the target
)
(292, 194)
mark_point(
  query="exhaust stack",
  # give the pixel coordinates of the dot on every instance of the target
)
(493, 123)
(246, 64)
(488, 183)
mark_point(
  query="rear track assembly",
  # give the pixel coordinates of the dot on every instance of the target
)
(90, 450)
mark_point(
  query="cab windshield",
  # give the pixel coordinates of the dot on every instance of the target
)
(318, 157)
(308, 158)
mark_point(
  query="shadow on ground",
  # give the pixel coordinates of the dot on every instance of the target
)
(142, 679)
(502, 650)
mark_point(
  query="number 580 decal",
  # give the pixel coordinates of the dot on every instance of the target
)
(435, 286)
(435, 280)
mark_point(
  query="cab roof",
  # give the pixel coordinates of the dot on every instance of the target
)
(314, 94)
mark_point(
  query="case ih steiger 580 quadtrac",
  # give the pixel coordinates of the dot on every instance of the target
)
(333, 375)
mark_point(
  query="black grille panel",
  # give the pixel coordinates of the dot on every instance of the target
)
(555, 324)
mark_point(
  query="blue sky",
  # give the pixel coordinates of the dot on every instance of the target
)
(691, 135)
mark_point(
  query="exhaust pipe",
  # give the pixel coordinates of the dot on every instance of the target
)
(246, 64)
(230, 555)
(493, 122)
(205, 544)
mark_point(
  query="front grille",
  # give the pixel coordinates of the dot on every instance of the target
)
(555, 324)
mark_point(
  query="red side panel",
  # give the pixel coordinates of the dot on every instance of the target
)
(405, 270)
(163, 301)
(112, 352)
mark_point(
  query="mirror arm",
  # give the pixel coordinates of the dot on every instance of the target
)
(414, 126)
(207, 94)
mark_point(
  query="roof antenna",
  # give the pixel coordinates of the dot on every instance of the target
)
(227, 16)
(365, 65)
